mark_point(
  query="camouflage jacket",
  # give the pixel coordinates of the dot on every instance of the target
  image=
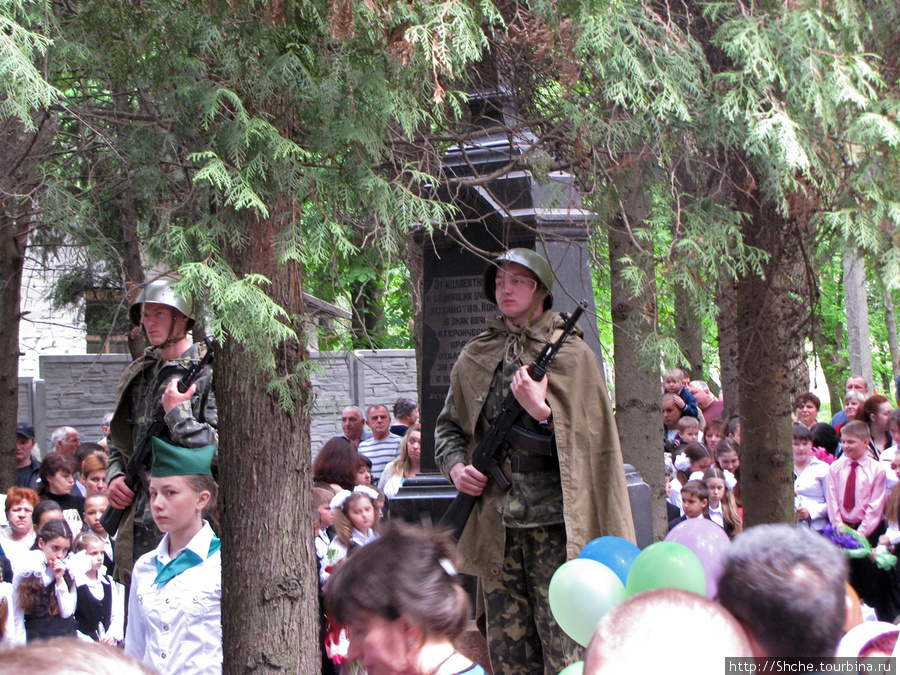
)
(191, 424)
(592, 477)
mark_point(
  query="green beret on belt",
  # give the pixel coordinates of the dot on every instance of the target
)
(174, 460)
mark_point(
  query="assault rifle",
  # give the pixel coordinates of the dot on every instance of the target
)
(488, 452)
(141, 456)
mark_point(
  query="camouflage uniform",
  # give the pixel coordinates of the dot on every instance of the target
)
(190, 424)
(515, 540)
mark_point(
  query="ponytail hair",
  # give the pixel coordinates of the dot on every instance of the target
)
(729, 504)
(31, 587)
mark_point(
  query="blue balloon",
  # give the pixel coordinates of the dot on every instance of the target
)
(614, 552)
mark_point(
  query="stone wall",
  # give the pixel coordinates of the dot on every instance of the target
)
(77, 390)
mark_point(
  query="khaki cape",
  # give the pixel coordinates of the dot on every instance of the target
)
(595, 496)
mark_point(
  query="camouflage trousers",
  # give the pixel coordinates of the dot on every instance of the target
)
(523, 637)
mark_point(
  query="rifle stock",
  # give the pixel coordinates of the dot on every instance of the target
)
(487, 455)
(112, 516)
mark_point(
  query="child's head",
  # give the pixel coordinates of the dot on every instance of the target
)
(715, 481)
(56, 474)
(178, 502)
(713, 432)
(672, 379)
(894, 425)
(689, 429)
(734, 429)
(93, 546)
(54, 539)
(729, 455)
(322, 505)
(363, 470)
(855, 439)
(45, 510)
(699, 457)
(94, 506)
(694, 498)
(802, 441)
(354, 511)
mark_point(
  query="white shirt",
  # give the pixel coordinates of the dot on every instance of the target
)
(18, 552)
(35, 564)
(177, 628)
(810, 492)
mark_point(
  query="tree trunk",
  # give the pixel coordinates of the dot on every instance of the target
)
(688, 331)
(13, 242)
(21, 151)
(269, 578)
(891, 323)
(857, 307)
(768, 322)
(726, 322)
(638, 407)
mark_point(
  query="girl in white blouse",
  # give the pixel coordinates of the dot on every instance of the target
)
(174, 606)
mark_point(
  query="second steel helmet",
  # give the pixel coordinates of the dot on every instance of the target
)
(527, 258)
(160, 292)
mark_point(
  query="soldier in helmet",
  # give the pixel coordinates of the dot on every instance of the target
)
(563, 460)
(148, 390)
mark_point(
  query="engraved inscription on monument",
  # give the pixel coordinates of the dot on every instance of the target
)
(456, 311)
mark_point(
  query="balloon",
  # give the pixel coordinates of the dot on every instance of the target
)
(581, 592)
(576, 668)
(614, 552)
(666, 564)
(709, 543)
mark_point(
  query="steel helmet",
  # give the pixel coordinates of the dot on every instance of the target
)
(160, 292)
(527, 258)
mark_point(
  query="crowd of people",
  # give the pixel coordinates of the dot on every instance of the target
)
(154, 587)
(845, 473)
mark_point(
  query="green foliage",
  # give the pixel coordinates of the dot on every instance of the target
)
(24, 89)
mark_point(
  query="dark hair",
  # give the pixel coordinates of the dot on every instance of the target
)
(697, 488)
(801, 433)
(870, 407)
(53, 463)
(733, 424)
(42, 508)
(31, 588)
(807, 397)
(404, 406)
(336, 463)
(728, 445)
(363, 461)
(791, 573)
(85, 449)
(717, 424)
(824, 436)
(407, 572)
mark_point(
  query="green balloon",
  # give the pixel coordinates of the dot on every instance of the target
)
(576, 668)
(581, 592)
(666, 564)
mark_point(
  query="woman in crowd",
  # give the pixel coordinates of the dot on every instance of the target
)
(852, 401)
(403, 605)
(876, 413)
(806, 407)
(810, 476)
(407, 463)
(19, 538)
(93, 475)
(337, 464)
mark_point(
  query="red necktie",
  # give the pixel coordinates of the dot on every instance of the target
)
(850, 489)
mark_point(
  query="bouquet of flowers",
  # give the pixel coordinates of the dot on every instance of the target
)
(856, 546)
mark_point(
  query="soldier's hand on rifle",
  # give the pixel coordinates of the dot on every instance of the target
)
(468, 479)
(172, 397)
(530, 394)
(120, 496)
